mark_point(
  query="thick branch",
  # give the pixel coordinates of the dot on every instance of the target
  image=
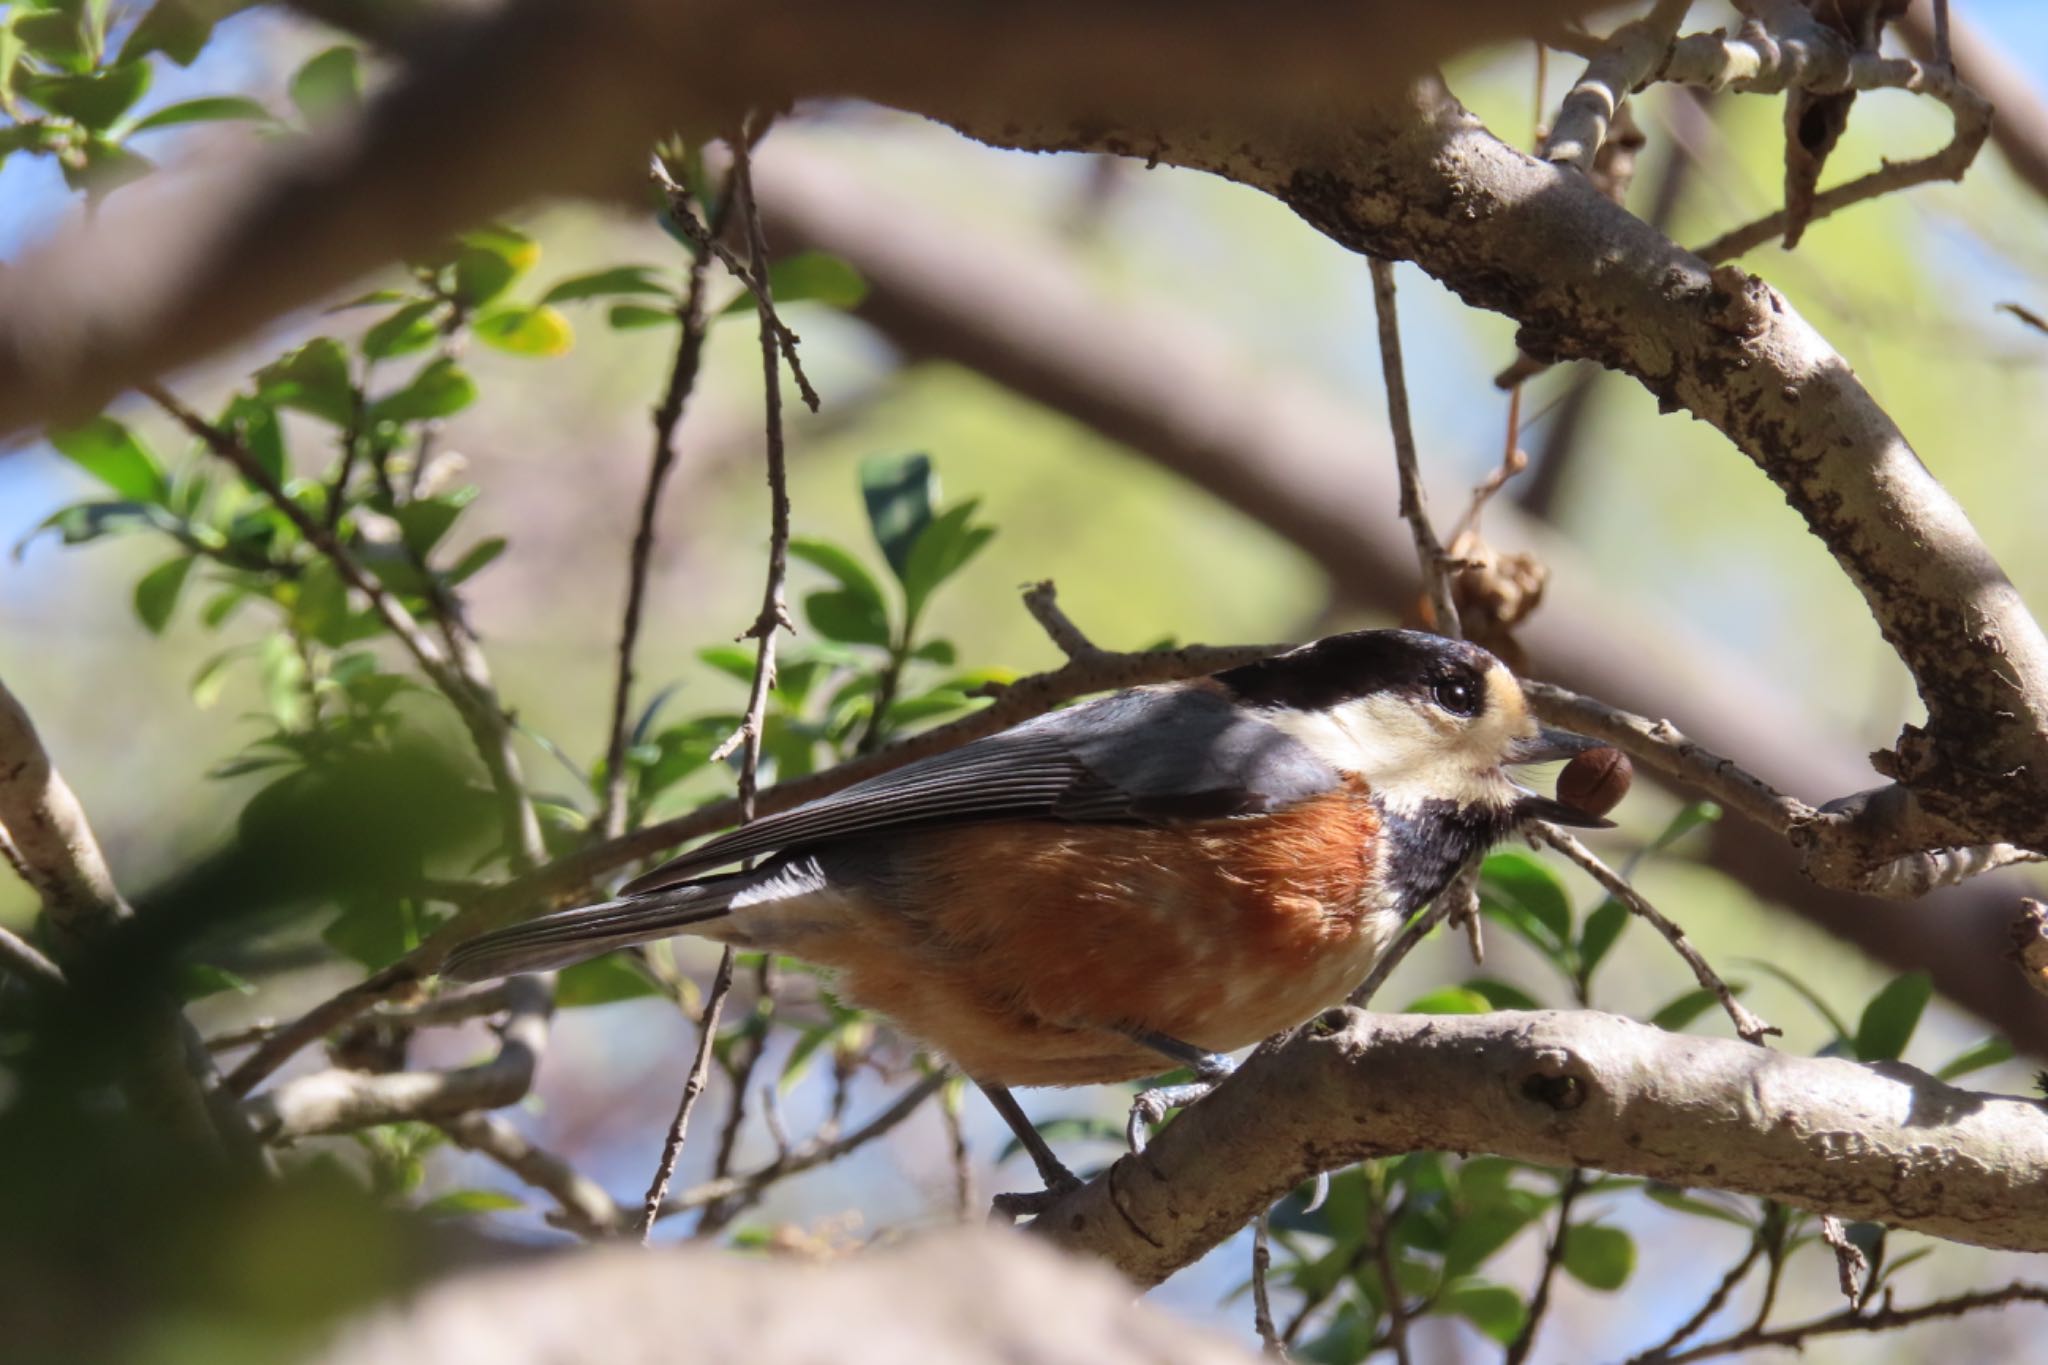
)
(337, 1100)
(1881, 1141)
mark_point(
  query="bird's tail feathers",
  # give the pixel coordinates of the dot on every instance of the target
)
(565, 937)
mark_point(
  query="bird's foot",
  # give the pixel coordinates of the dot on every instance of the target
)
(1009, 1209)
(1149, 1107)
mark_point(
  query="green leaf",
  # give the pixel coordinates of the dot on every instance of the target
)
(313, 379)
(424, 521)
(1984, 1052)
(537, 331)
(156, 595)
(601, 981)
(403, 331)
(457, 1203)
(733, 660)
(627, 317)
(1479, 1233)
(110, 453)
(441, 389)
(1687, 1008)
(940, 701)
(940, 652)
(839, 563)
(810, 277)
(107, 167)
(1685, 822)
(620, 279)
(177, 28)
(1494, 1309)
(1599, 1257)
(58, 35)
(92, 101)
(197, 980)
(1520, 880)
(1676, 1199)
(900, 491)
(1891, 1016)
(1804, 991)
(329, 85)
(943, 548)
(210, 109)
(374, 933)
(1449, 1000)
(1500, 995)
(839, 614)
(257, 425)
(479, 557)
(1599, 933)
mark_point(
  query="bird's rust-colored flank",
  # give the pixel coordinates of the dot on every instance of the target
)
(1032, 944)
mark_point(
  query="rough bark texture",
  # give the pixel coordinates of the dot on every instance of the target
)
(1423, 180)
(1881, 1141)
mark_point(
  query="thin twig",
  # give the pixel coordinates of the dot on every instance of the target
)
(1751, 1028)
(489, 728)
(26, 961)
(963, 1165)
(1659, 744)
(1390, 1283)
(682, 379)
(774, 616)
(1882, 1320)
(807, 1156)
(1851, 1265)
(1735, 1276)
(582, 1205)
(1628, 58)
(1262, 1303)
(1518, 1349)
(1429, 551)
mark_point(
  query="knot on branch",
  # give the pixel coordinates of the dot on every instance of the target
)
(1556, 1079)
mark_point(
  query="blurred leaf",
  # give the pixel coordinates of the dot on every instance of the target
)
(1502, 996)
(537, 331)
(58, 35)
(93, 101)
(1599, 933)
(1804, 991)
(106, 167)
(402, 332)
(1891, 1016)
(1520, 880)
(1678, 1200)
(87, 521)
(373, 932)
(628, 317)
(1688, 819)
(900, 491)
(602, 981)
(841, 614)
(329, 85)
(940, 652)
(1478, 1234)
(488, 260)
(1449, 1000)
(1687, 1008)
(441, 389)
(479, 557)
(313, 379)
(943, 548)
(734, 661)
(177, 28)
(841, 564)
(1984, 1052)
(256, 424)
(110, 453)
(210, 109)
(809, 277)
(423, 521)
(213, 674)
(940, 701)
(620, 279)
(1494, 1309)
(156, 595)
(197, 980)
(1599, 1257)
(457, 1203)
(371, 299)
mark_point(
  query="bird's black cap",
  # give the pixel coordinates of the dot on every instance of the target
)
(1362, 663)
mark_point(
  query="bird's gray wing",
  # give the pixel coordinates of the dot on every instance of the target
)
(1151, 756)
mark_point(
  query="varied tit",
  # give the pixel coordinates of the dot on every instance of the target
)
(1159, 876)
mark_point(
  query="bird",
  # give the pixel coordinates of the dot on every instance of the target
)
(1153, 879)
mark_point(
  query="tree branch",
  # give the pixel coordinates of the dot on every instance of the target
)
(1880, 1141)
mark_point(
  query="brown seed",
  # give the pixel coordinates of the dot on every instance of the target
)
(1595, 781)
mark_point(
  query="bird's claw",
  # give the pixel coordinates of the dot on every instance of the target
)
(1148, 1107)
(1008, 1209)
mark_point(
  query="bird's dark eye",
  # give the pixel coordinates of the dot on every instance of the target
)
(1459, 696)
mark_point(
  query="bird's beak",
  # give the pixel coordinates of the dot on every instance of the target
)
(1548, 746)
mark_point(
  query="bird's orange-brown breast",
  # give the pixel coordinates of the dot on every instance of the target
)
(1024, 950)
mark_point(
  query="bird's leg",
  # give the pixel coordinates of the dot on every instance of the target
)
(1150, 1106)
(1058, 1179)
